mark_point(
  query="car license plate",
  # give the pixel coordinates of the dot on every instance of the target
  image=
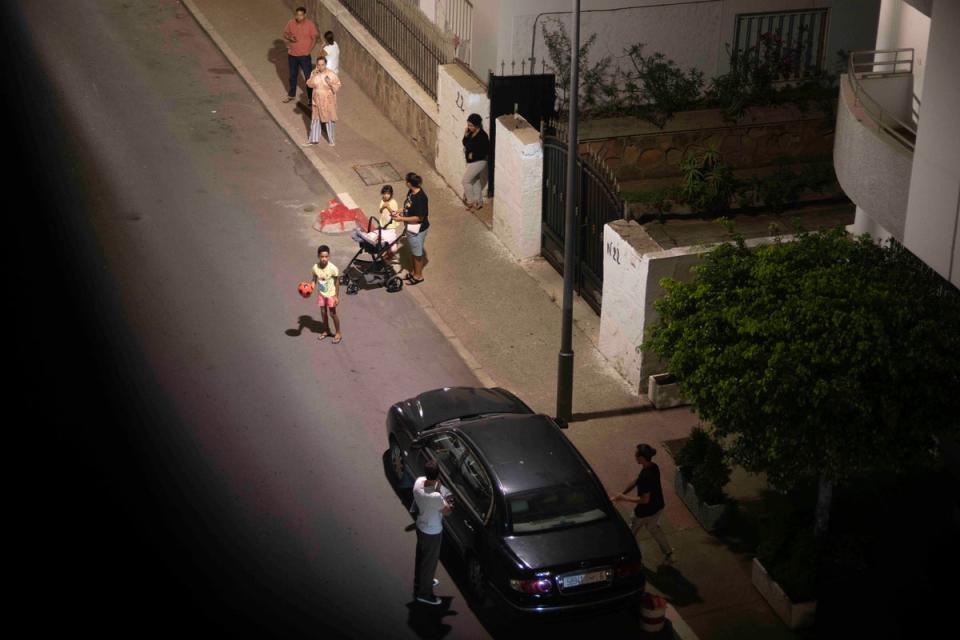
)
(579, 579)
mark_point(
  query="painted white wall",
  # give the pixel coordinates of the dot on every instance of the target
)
(429, 8)
(692, 33)
(873, 169)
(687, 33)
(901, 26)
(633, 266)
(895, 94)
(519, 178)
(459, 94)
(853, 25)
(932, 229)
(863, 223)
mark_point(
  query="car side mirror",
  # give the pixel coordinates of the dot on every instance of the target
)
(561, 422)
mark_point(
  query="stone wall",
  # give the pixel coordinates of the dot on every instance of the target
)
(382, 78)
(635, 149)
(519, 176)
(459, 93)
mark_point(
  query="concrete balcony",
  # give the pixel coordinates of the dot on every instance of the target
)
(875, 136)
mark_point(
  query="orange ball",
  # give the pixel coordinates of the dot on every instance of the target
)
(305, 289)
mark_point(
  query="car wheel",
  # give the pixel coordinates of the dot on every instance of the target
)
(396, 461)
(476, 579)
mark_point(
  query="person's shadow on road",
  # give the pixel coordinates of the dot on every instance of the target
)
(305, 322)
(427, 620)
(278, 56)
(674, 586)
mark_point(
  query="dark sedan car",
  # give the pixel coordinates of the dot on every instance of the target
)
(531, 520)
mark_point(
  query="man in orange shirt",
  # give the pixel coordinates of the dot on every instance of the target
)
(301, 35)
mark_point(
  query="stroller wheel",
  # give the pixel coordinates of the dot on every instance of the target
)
(394, 284)
(352, 288)
(344, 279)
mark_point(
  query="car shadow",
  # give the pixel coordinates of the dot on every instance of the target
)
(427, 621)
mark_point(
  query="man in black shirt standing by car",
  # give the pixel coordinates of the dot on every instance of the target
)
(649, 500)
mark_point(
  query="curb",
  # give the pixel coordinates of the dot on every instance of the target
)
(681, 630)
(335, 185)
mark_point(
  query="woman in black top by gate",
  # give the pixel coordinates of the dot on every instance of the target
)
(476, 147)
(649, 500)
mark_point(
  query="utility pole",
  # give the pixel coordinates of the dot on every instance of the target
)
(565, 365)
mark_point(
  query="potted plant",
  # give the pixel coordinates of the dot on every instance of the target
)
(664, 392)
(702, 473)
(784, 570)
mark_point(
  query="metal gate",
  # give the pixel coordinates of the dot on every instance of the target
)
(531, 95)
(598, 202)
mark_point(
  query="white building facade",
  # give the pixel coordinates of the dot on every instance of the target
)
(897, 147)
(507, 35)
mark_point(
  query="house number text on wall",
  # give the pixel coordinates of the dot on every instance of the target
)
(614, 252)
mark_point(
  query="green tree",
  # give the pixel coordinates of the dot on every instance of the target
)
(817, 359)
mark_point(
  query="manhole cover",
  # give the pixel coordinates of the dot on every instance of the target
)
(378, 173)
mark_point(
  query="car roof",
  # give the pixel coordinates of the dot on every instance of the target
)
(439, 405)
(525, 452)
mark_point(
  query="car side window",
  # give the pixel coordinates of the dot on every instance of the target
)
(448, 451)
(463, 470)
(473, 483)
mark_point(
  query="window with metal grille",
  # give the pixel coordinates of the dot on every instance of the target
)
(804, 32)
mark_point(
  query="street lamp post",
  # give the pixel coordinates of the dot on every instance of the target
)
(565, 365)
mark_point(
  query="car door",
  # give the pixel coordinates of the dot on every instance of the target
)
(463, 478)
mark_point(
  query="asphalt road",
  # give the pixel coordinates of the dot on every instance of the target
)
(207, 464)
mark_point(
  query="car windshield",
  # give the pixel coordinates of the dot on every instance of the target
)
(554, 508)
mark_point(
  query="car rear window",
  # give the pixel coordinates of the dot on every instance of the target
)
(554, 508)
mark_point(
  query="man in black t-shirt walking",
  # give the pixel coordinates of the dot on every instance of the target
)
(649, 500)
(416, 212)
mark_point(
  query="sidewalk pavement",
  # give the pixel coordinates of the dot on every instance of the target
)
(504, 319)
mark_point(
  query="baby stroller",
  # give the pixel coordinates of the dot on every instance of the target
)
(378, 269)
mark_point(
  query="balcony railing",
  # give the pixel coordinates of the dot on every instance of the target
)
(884, 63)
(458, 19)
(414, 41)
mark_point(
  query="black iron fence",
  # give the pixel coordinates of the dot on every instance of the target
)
(416, 43)
(598, 202)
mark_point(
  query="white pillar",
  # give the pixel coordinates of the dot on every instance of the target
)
(519, 178)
